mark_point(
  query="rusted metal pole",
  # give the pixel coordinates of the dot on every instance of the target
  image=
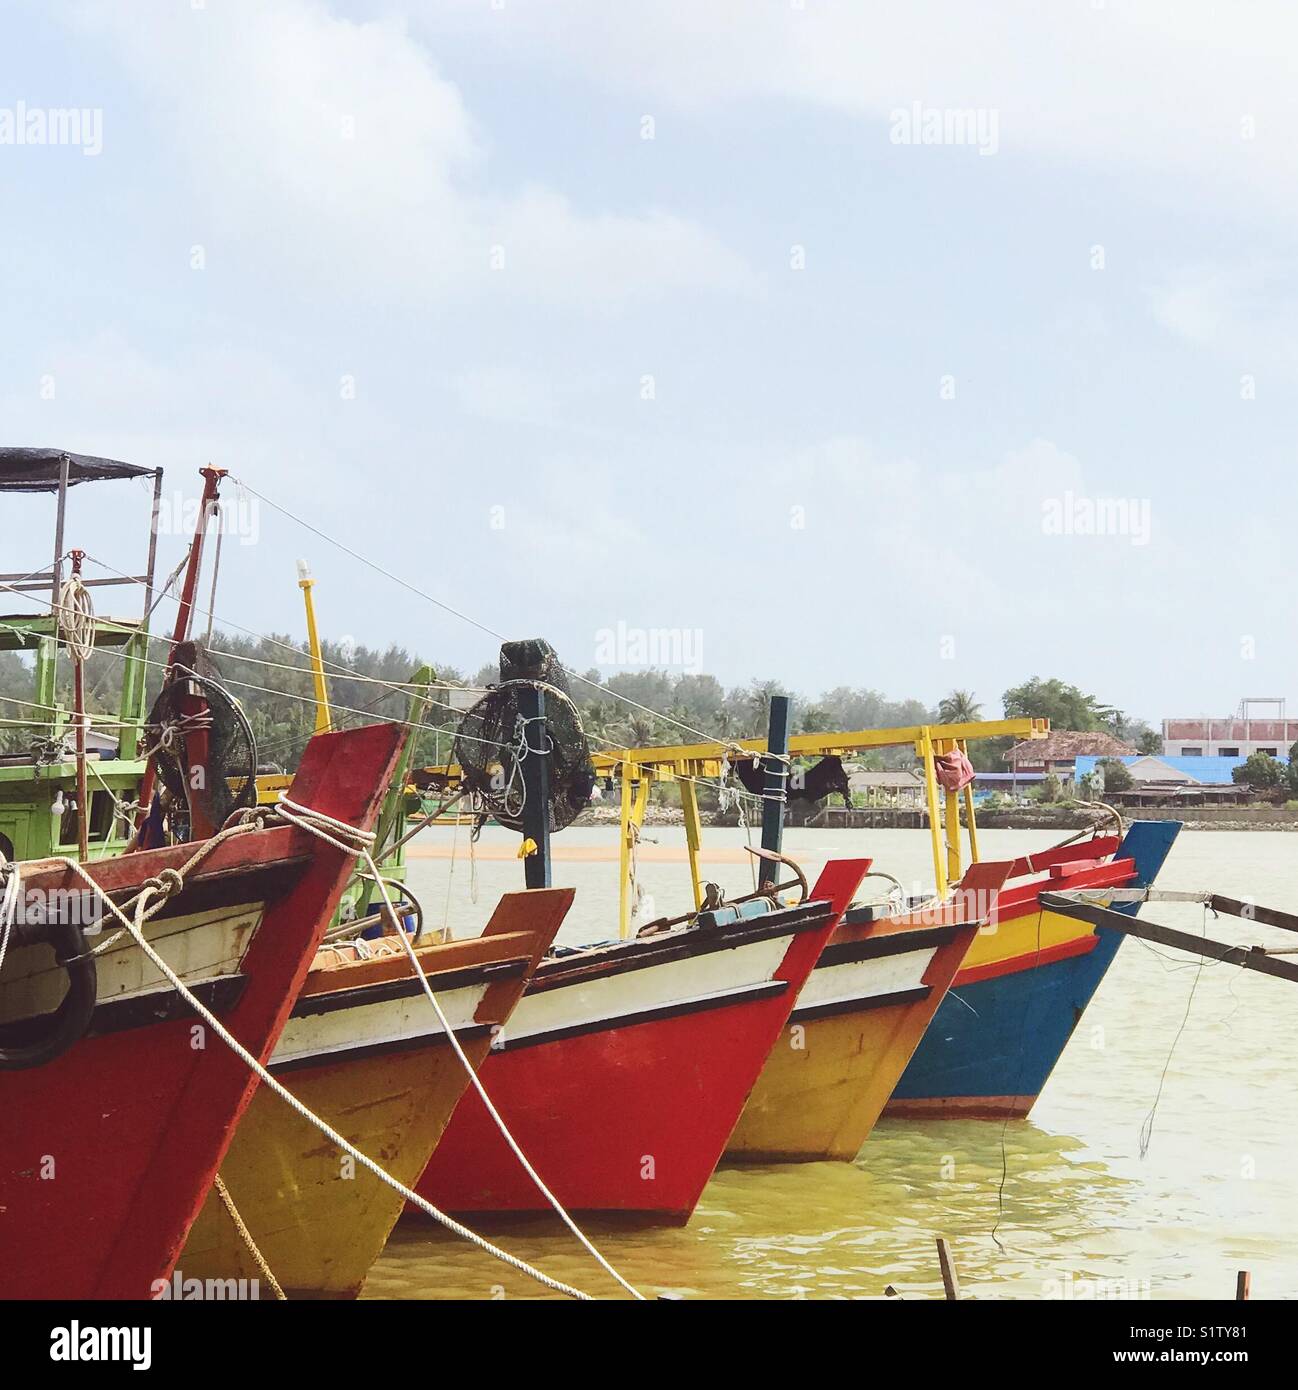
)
(56, 570)
(1243, 1283)
(79, 713)
(184, 613)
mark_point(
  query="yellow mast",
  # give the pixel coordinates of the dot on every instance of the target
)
(323, 719)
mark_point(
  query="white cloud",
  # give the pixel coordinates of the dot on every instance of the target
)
(337, 155)
(506, 395)
(1131, 85)
(1243, 316)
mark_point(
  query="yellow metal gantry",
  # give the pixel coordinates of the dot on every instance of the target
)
(687, 763)
(637, 768)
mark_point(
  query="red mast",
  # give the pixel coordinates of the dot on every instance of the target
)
(184, 620)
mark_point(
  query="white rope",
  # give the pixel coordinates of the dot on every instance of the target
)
(316, 822)
(9, 897)
(464, 617)
(611, 745)
(332, 667)
(135, 928)
(76, 616)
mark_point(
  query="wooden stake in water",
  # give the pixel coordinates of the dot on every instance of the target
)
(950, 1279)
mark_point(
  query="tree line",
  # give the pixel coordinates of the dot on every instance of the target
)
(271, 678)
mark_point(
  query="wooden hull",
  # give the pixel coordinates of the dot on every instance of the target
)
(365, 1052)
(1017, 999)
(857, 1021)
(624, 1071)
(107, 1153)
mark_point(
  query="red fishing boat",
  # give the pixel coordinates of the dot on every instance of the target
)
(626, 1066)
(116, 1103)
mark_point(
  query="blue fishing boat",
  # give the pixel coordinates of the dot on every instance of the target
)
(1024, 986)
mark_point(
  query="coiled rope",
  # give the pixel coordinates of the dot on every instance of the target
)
(77, 617)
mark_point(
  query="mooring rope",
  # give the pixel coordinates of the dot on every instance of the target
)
(320, 825)
(1146, 1135)
(163, 890)
(245, 1235)
(9, 896)
(611, 745)
(336, 833)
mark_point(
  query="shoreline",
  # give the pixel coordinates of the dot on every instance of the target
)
(1062, 819)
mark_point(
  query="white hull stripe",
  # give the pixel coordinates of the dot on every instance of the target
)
(200, 946)
(675, 985)
(744, 994)
(830, 1007)
(865, 980)
(387, 1023)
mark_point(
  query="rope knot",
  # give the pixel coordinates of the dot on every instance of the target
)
(166, 883)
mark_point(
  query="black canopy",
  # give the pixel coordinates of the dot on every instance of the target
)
(38, 470)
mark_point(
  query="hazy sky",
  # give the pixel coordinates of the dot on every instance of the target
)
(819, 335)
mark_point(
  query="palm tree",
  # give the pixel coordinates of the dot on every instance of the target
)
(759, 704)
(815, 720)
(641, 730)
(959, 707)
(602, 721)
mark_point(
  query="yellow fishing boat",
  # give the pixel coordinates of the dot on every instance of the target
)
(856, 1023)
(365, 1052)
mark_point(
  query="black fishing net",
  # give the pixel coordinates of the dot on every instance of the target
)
(202, 745)
(494, 739)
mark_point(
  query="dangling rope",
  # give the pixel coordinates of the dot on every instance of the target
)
(1147, 1125)
(162, 889)
(77, 616)
(9, 897)
(732, 795)
(245, 1235)
(326, 828)
(216, 570)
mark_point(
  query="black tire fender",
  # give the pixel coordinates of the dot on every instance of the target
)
(35, 1042)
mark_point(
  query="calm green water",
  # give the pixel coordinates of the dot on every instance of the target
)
(1082, 1214)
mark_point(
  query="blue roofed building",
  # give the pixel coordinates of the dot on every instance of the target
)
(1188, 771)
(1185, 780)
